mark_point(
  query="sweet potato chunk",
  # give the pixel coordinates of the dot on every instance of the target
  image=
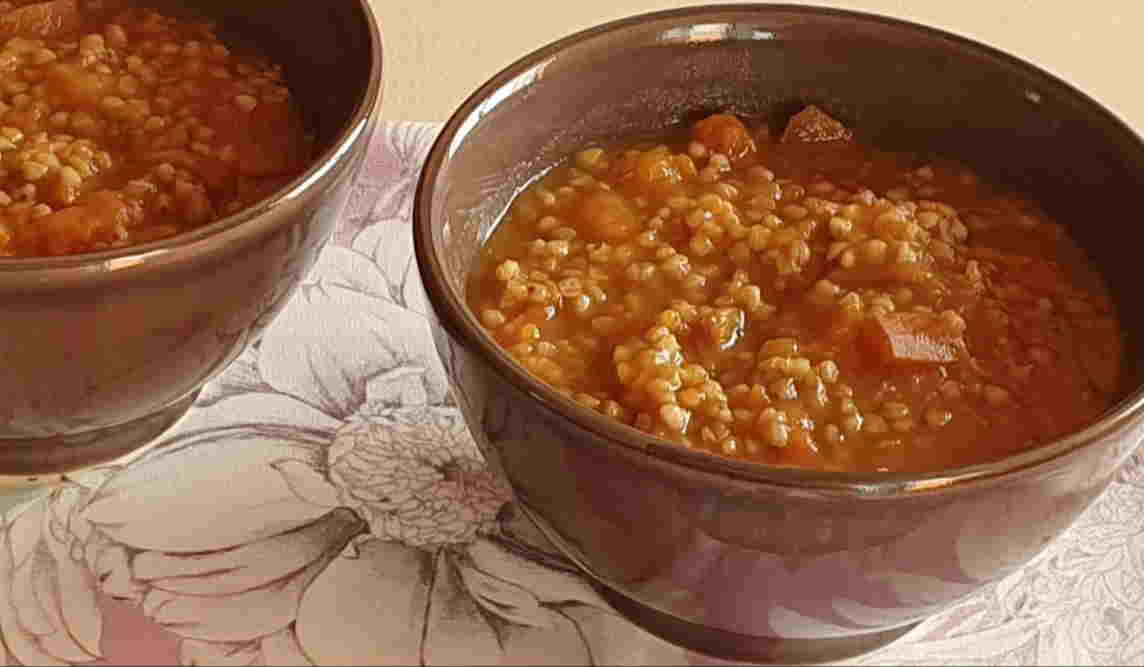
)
(43, 19)
(269, 145)
(913, 338)
(68, 84)
(606, 216)
(724, 133)
(99, 216)
(812, 125)
(657, 168)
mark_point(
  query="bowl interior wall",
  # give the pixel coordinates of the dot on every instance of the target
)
(323, 47)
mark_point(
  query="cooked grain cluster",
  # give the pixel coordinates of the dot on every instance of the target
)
(801, 300)
(120, 125)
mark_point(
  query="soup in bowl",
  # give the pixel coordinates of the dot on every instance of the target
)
(789, 326)
(171, 171)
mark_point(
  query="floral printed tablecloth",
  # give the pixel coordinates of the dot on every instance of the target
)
(324, 503)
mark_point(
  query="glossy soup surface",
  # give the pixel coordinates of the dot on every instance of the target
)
(801, 300)
(121, 125)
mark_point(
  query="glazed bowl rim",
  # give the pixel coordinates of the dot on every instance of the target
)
(247, 223)
(462, 326)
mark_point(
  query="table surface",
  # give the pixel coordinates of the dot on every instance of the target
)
(284, 521)
(438, 51)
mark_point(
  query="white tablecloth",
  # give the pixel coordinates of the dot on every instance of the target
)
(323, 503)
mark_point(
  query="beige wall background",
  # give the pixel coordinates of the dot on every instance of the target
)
(438, 51)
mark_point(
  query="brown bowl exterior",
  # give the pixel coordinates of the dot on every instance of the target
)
(736, 559)
(101, 352)
(785, 573)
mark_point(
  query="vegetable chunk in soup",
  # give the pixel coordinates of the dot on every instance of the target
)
(802, 301)
(121, 125)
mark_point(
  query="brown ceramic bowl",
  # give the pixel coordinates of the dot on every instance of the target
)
(101, 352)
(743, 560)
